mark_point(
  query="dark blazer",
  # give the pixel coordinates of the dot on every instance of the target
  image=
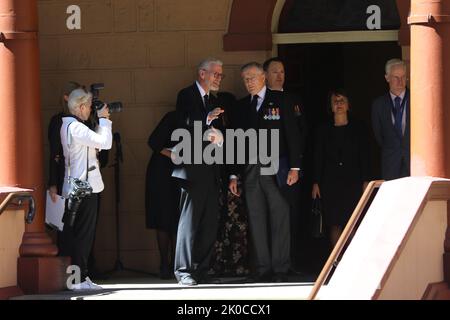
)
(344, 158)
(190, 108)
(294, 101)
(56, 160)
(162, 194)
(289, 144)
(394, 148)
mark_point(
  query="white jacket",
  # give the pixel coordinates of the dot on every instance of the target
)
(75, 146)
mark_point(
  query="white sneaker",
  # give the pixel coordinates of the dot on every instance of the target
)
(86, 285)
(92, 285)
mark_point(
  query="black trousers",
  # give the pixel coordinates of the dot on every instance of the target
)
(197, 229)
(76, 242)
(268, 217)
(292, 194)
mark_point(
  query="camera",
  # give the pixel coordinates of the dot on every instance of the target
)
(78, 189)
(97, 104)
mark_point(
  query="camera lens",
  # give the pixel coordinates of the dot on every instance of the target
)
(115, 107)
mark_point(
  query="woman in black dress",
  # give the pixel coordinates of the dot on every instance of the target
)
(231, 249)
(340, 165)
(162, 193)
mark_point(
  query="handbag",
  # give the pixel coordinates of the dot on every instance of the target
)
(317, 227)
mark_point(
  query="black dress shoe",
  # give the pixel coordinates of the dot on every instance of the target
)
(188, 281)
(280, 277)
(295, 272)
(209, 280)
(165, 273)
(256, 278)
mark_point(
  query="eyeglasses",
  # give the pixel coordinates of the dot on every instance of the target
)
(251, 79)
(219, 75)
(339, 101)
(216, 75)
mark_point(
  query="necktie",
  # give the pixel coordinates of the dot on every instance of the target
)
(398, 115)
(206, 100)
(253, 111)
(254, 103)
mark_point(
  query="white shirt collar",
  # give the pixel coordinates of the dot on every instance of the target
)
(402, 95)
(282, 89)
(262, 94)
(202, 91)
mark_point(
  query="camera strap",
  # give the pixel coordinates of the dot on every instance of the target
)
(68, 160)
(87, 164)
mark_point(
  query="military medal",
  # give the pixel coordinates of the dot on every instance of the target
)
(277, 114)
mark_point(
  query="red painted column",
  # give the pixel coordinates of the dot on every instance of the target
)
(21, 161)
(430, 95)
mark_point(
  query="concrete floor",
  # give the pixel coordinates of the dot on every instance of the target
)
(153, 288)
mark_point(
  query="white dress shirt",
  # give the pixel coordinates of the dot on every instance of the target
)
(202, 94)
(261, 96)
(76, 138)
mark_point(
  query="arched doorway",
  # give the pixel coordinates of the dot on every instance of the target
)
(322, 52)
(321, 56)
(349, 44)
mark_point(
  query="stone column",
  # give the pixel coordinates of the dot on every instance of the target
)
(21, 161)
(430, 95)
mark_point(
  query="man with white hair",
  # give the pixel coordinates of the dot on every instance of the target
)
(391, 122)
(198, 224)
(80, 145)
(268, 211)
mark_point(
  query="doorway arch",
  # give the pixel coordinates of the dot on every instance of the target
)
(334, 52)
(254, 32)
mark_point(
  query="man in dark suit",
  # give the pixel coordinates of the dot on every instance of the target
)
(275, 78)
(391, 123)
(199, 203)
(268, 211)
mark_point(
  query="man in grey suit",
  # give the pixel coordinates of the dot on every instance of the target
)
(391, 123)
(268, 210)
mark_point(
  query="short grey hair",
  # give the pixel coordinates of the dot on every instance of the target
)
(393, 63)
(206, 64)
(78, 97)
(252, 64)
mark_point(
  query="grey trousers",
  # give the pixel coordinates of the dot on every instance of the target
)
(268, 215)
(197, 231)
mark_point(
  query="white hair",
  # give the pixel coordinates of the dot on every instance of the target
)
(393, 63)
(206, 64)
(78, 97)
(252, 64)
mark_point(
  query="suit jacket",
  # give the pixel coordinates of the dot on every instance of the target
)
(56, 160)
(289, 137)
(161, 191)
(294, 101)
(190, 108)
(394, 148)
(341, 154)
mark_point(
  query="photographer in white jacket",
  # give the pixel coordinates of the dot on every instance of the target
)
(80, 146)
